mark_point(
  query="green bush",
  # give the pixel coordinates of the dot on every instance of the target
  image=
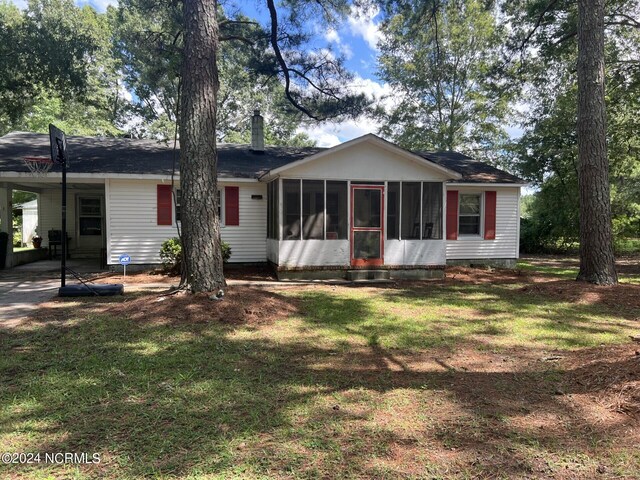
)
(226, 251)
(17, 238)
(626, 246)
(171, 254)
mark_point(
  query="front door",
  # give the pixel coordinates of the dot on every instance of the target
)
(90, 222)
(367, 215)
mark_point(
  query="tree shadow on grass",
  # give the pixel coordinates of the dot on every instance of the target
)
(184, 398)
(433, 315)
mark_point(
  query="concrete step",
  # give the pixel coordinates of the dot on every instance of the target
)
(365, 275)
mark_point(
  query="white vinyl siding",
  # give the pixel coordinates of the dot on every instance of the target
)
(249, 239)
(505, 245)
(133, 229)
(312, 253)
(366, 161)
(50, 212)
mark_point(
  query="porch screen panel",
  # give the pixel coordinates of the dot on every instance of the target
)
(411, 210)
(269, 210)
(276, 209)
(337, 210)
(313, 209)
(291, 210)
(272, 210)
(393, 210)
(432, 211)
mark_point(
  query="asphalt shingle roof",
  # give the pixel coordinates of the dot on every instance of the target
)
(472, 171)
(138, 156)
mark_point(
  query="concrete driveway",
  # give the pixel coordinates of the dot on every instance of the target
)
(24, 287)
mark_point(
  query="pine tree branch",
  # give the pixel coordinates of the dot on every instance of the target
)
(283, 64)
(228, 38)
(546, 9)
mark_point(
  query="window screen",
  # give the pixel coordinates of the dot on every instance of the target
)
(272, 210)
(178, 200)
(291, 209)
(411, 210)
(90, 216)
(313, 209)
(393, 210)
(432, 210)
(469, 215)
(337, 210)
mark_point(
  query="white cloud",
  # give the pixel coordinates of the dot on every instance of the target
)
(323, 136)
(329, 134)
(332, 36)
(362, 23)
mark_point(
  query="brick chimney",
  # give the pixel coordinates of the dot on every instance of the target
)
(257, 132)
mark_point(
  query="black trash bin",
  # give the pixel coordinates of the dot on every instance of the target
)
(4, 240)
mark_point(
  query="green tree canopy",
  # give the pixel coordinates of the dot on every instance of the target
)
(57, 65)
(438, 56)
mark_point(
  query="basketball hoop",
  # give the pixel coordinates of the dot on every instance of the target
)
(38, 166)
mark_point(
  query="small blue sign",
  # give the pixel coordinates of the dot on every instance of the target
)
(125, 259)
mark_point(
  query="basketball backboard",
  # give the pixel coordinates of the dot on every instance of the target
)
(58, 144)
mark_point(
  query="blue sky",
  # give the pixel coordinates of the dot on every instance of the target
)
(355, 38)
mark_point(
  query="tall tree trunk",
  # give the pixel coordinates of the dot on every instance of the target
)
(198, 155)
(597, 261)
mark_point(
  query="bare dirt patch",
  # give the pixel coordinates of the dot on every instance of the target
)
(140, 278)
(610, 376)
(240, 305)
(257, 273)
(615, 296)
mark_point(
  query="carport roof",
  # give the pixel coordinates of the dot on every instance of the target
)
(105, 155)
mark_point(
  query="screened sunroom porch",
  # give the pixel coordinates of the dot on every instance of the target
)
(348, 224)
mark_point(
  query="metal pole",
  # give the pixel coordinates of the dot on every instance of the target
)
(63, 265)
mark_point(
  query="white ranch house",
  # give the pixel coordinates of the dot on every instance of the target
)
(310, 212)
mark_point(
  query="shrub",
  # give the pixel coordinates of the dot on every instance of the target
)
(171, 254)
(226, 251)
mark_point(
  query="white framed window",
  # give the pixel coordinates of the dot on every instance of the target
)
(221, 206)
(90, 216)
(178, 202)
(470, 214)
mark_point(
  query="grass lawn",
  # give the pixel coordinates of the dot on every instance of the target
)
(483, 375)
(567, 267)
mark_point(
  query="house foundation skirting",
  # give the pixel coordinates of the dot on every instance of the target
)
(396, 272)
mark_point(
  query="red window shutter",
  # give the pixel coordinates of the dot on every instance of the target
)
(490, 215)
(165, 207)
(232, 205)
(452, 214)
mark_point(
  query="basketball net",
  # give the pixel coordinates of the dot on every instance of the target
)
(38, 166)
